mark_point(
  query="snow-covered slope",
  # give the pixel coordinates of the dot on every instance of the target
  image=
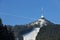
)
(32, 35)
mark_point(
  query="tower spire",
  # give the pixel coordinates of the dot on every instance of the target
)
(42, 16)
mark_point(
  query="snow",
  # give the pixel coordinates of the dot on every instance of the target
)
(32, 35)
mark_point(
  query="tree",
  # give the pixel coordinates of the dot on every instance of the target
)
(0, 21)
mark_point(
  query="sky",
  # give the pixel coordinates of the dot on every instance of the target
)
(17, 12)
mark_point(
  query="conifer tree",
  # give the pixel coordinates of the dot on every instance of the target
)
(0, 22)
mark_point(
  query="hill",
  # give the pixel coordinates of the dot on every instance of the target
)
(49, 32)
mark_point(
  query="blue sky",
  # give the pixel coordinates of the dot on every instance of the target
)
(19, 12)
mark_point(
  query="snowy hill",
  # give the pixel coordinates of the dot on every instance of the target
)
(41, 23)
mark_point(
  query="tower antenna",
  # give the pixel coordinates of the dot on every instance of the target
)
(42, 15)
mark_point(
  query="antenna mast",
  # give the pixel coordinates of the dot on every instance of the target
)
(42, 13)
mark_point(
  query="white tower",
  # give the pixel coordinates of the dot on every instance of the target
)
(42, 20)
(42, 16)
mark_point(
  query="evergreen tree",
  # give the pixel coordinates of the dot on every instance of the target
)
(0, 22)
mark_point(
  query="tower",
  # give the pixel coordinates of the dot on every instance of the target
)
(42, 20)
(42, 13)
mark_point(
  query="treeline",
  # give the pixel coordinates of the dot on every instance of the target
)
(8, 32)
(5, 32)
(49, 32)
